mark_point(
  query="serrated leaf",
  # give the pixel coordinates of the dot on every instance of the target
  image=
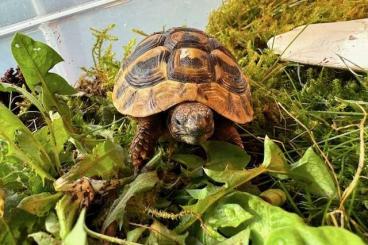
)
(312, 173)
(78, 234)
(43, 238)
(39, 204)
(105, 161)
(142, 183)
(274, 158)
(221, 155)
(23, 145)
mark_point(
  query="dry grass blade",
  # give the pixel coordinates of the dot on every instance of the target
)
(315, 144)
(359, 170)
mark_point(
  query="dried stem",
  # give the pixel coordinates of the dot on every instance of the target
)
(359, 170)
(315, 143)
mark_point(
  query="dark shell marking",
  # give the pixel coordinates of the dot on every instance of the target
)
(146, 44)
(147, 72)
(182, 64)
(191, 56)
(190, 65)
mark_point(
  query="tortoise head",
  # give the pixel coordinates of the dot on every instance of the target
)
(191, 122)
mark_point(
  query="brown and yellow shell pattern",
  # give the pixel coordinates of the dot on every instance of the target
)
(182, 64)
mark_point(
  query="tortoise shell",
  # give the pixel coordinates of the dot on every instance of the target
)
(182, 64)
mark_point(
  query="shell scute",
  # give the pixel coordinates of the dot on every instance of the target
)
(182, 64)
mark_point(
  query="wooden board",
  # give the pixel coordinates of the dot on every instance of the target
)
(341, 45)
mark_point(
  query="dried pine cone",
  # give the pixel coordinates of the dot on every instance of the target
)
(13, 77)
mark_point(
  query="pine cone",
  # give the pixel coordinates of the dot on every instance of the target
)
(13, 77)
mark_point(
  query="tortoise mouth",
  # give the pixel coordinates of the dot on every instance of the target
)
(193, 140)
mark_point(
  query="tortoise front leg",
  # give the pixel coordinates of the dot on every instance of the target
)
(226, 131)
(143, 144)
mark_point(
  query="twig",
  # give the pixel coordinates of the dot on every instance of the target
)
(315, 143)
(108, 238)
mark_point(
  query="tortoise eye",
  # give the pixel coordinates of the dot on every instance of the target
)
(177, 121)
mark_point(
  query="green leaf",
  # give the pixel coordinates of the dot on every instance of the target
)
(202, 193)
(35, 59)
(60, 133)
(230, 214)
(313, 236)
(105, 161)
(312, 173)
(189, 160)
(6, 237)
(39, 204)
(273, 225)
(232, 178)
(274, 158)
(52, 224)
(23, 146)
(58, 85)
(160, 234)
(78, 235)
(21, 224)
(66, 211)
(14, 176)
(134, 235)
(142, 183)
(43, 238)
(222, 154)
(241, 238)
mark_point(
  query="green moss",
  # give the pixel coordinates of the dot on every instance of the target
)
(313, 95)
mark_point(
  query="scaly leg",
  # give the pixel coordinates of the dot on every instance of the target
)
(144, 142)
(226, 131)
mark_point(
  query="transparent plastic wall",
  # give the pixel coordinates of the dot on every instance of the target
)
(64, 24)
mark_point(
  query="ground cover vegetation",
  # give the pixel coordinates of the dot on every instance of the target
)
(65, 175)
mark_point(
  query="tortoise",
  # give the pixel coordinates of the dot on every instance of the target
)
(184, 83)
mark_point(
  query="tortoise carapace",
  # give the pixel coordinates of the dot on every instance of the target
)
(183, 82)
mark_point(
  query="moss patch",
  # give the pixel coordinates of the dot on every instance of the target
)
(314, 99)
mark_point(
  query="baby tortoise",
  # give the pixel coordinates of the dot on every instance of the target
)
(183, 82)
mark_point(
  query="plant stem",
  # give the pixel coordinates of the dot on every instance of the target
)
(108, 238)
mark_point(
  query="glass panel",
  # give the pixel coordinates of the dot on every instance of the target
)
(76, 41)
(13, 11)
(50, 6)
(72, 38)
